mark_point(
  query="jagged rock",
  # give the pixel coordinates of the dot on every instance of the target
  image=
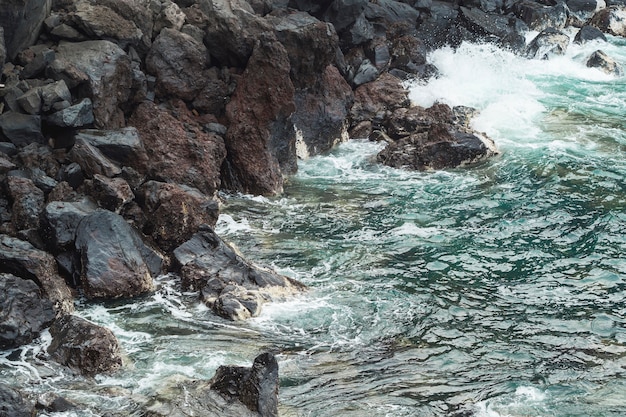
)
(547, 43)
(170, 16)
(111, 193)
(589, 33)
(178, 61)
(21, 129)
(23, 311)
(21, 259)
(605, 63)
(439, 26)
(391, 12)
(215, 95)
(486, 24)
(360, 32)
(101, 22)
(62, 70)
(13, 404)
(78, 115)
(54, 93)
(406, 121)
(59, 221)
(584, 9)
(72, 174)
(141, 13)
(28, 202)
(261, 137)
(344, 13)
(84, 346)
(42, 57)
(233, 287)
(408, 54)
(108, 69)
(178, 148)
(38, 156)
(53, 403)
(91, 160)
(22, 21)
(67, 33)
(42, 180)
(539, 16)
(611, 20)
(375, 101)
(121, 145)
(115, 262)
(175, 212)
(6, 165)
(30, 101)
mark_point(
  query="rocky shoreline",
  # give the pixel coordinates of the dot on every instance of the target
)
(121, 120)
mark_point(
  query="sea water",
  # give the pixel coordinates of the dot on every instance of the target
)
(495, 290)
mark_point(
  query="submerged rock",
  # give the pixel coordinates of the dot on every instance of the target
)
(605, 63)
(84, 346)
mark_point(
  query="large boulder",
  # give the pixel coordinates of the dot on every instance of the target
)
(261, 137)
(611, 20)
(538, 16)
(21, 259)
(28, 201)
(548, 43)
(24, 311)
(115, 262)
(233, 287)
(84, 346)
(589, 33)
(601, 60)
(178, 148)
(175, 212)
(22, 21)
(178, 61)
(109, 74)
(123, 146)
(91, 160)
(21, 129)
(59, 221)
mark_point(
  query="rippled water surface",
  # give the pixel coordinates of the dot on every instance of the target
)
(495, 291)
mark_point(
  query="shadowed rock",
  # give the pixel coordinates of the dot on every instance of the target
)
(13, 404)
(605, 63)
(611, 20)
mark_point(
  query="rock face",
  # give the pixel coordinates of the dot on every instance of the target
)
(114, 260)
(24, 312)
(260, 141)
(86, 347)
(231, 286)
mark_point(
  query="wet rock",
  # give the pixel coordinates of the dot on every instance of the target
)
(178, 61)
(411, 120)
(344, 13)
(547, 43)
(115, 262)
(21, 259)
(261, 137)
(589, 33)
(91, 160)
(121, 145)
(486, 25)
(611, 20)
(24, 312)
(13, 403)
(28, 201)
(175, 212)
(60, 220)
(53, 403)
(177, 147)
(22, 21)
(111, 193)
(605, 63)
(78, 115)
(21, 129)
(539, 16)
(230, 285)
(439, 26)
(108, 69)
(84, 346)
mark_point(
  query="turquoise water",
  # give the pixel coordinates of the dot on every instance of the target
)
(497, 290)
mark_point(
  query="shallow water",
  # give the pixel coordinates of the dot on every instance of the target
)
(496, 290)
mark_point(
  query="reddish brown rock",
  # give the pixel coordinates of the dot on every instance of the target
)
(28, 201)
(177, 147)
(261, 137)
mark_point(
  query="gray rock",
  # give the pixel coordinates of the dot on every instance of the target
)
(589, 33)
(72, 174)
(13, 403)
(24, 313)
(21, 129)
(611, 20)
(170, 16)
(22, 21)
(28, 201)
(53, 93)
(539, 16)
(113, 257)
(68, 33)
(547, 43)
(121, 145)
(43, 57)
(605, 63)
(30, 101)
(60, 220)
(92, 161)
(78, 115)
(366, 73)
(3, 49)
(112, 193)
(84, 346)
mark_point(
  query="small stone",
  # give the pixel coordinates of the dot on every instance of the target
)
(78, 115)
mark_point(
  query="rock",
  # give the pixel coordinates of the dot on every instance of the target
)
(21, 129)
(589, 33)
(121, 145)
(111, 193)
(28, 201)
(92, 161)
(62, 70)
(21, 259)
(360, 32)
(391, 12)
(605, 63)
(13, 404)
(375, 101)
(170, 16)
(177, 147)
(108, 69)
(115, 260)
(261, 137)
(84, 346)
(30, 101)
(6, 165)
(59, 221)
(101, 22)
(3, 49)
(72, 174)
(344, 13)
(22, 21)
(54, 93)
(43, 56)
(78, 115)
(141, 13)
(178, 61)
(24, 313)
(547, 43)
(486, 24)
(175, 212)
(540, 17)
(440, 26)
(366, 73)
(611, 20)
(218, 87)
(38, 156)
(53, 403)
(584, 9)
(405, 121)
(233, 287)
(8, 148)
(256, 387)
(67, 33)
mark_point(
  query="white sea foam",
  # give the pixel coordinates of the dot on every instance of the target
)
(526, 401)
(226, 224)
